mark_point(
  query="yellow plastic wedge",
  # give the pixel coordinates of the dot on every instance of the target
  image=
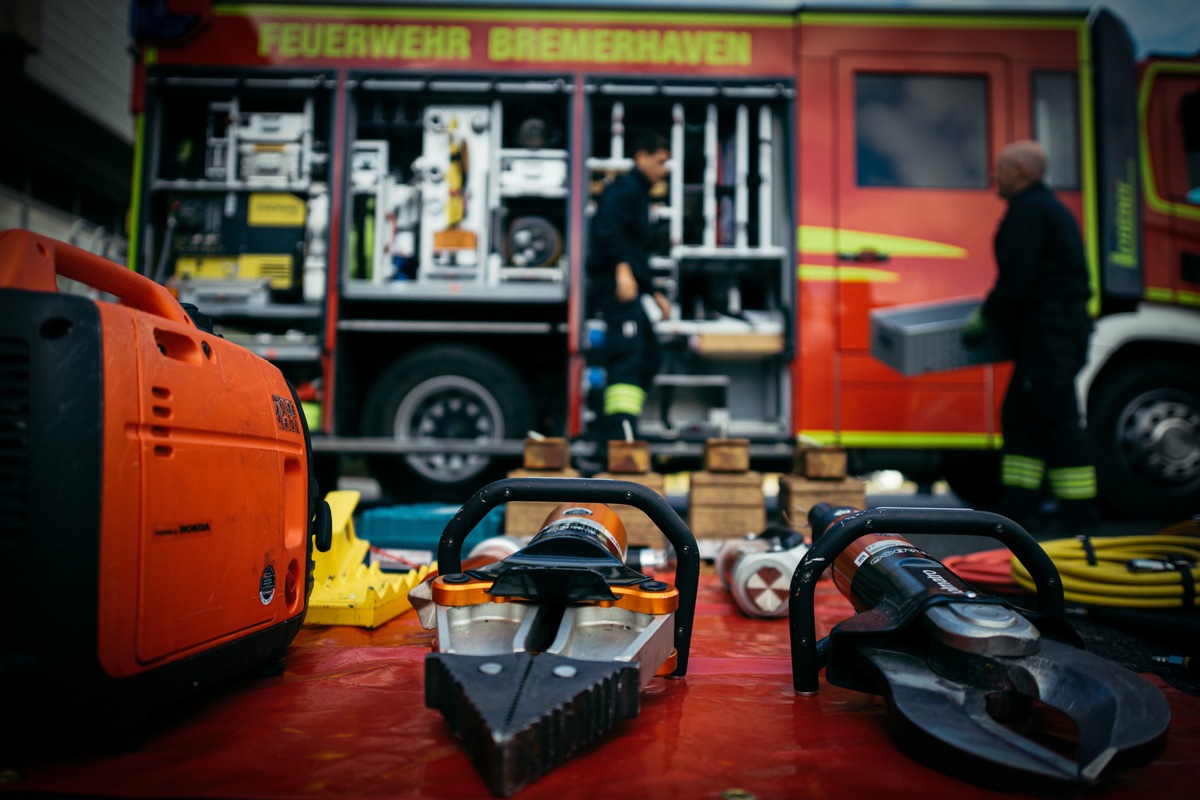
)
(346, 590)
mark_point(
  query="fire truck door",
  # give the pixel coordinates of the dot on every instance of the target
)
(914, 210)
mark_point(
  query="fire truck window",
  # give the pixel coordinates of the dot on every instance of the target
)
(1189, 117)
(1056, 126)
(921, 131)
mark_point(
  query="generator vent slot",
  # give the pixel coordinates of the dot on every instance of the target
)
(15, 380)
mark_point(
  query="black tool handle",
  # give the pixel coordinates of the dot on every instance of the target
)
(944, 521)
(588, 490)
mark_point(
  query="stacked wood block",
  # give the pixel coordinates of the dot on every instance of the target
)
(543, 458)
(725, 500)
(629, 458)
(727, 455)
(818, 476)
(630, 461)
(547, 454)
(819, 463)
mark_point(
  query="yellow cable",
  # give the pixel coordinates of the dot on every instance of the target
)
(1110, 582)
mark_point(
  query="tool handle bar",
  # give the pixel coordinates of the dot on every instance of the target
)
(44, 256)
(942, 521)
(588, 490)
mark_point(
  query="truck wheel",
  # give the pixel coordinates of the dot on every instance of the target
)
(444, 392)
(1144, 424)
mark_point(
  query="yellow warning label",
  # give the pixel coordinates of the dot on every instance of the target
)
(275, 211)
(275, 269)
(207, 268)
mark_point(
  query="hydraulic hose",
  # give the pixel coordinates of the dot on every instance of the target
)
(1125, 571)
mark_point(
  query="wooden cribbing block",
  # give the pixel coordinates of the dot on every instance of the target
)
(726, 505)
(820, 462)
(524, 519)
(797, 494)
(717, 522)
(639, 530)
(547, 454)
(727, 455)
(628, 457)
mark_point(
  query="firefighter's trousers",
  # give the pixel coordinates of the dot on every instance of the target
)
(631, 360)
(1043, 438)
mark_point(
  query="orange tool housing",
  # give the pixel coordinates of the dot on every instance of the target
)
(157, 520)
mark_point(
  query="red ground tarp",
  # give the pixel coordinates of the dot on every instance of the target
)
(347, 719)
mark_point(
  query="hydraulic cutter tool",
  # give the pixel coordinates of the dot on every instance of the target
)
(992, 694)
(541, 653)
(158, 509)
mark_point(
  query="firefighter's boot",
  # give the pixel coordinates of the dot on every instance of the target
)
(1075, 489)
(1079, 517)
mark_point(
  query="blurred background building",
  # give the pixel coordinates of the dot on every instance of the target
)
(66, 134)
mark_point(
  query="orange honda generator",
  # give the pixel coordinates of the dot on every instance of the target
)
(158, 508)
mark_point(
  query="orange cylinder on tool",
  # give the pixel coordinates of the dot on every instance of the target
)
(859, 552)
(594, 521)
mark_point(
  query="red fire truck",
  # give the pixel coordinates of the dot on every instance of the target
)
(392, 204)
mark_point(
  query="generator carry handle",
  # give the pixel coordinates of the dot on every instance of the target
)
(30, 261)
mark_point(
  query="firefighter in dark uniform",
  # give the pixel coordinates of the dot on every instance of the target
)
(1039, 303)
(620, 274)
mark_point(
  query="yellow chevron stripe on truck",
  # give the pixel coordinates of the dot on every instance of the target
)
(901, 439)
(819, 240)
(817, 273)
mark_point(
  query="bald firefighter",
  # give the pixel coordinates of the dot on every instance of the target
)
(1039, 303)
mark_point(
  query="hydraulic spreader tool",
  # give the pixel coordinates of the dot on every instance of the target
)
(995, 695)
(541, 653)
(157, 505)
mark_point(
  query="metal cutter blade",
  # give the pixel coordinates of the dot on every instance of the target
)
(539, 654)
(520, 715)
(947, 716)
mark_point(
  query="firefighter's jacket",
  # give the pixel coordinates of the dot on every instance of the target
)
(1039, 259)
(622, 232)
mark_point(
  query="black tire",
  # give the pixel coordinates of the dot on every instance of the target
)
(974, 476)
(444, 392)
(1144, 424)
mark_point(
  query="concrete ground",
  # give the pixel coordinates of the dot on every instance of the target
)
(942, 546)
